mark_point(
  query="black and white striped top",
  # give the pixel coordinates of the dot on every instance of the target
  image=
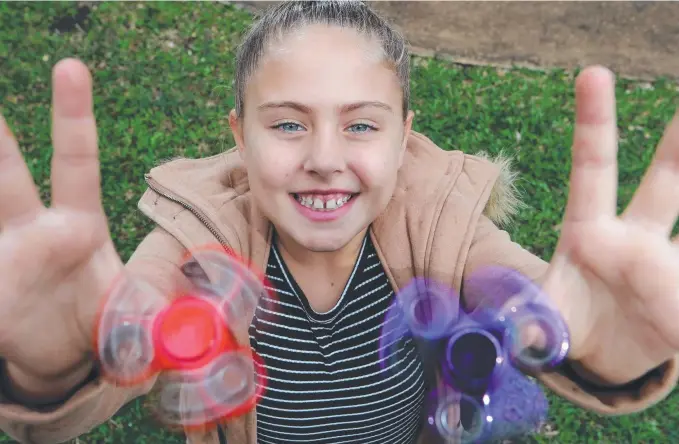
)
(325, 384)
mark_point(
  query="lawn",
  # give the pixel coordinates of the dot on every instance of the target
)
(163, 75)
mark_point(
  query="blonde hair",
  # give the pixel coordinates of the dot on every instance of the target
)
(289, 16)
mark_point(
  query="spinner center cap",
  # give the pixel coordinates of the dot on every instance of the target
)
(188, 329)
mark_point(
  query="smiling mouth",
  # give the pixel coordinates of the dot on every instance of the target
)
(323, 202)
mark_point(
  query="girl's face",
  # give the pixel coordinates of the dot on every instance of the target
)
(322, 136)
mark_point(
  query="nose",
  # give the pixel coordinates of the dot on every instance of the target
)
(326, 154)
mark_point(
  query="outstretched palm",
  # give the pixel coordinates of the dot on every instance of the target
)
(616, 277)
(55, 263)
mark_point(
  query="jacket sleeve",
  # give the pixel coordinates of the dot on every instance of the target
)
(156, 259)
(492, 246)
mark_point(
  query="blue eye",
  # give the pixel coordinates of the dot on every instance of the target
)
(288, 127)
(362, 128)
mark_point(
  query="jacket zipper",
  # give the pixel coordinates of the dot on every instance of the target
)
(155, 186)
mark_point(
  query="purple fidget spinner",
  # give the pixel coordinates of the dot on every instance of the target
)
(482, 394)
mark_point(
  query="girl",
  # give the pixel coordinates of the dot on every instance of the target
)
(331, 192)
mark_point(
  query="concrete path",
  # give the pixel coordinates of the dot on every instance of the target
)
(635, 39)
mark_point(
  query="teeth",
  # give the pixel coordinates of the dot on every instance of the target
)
(317, 203)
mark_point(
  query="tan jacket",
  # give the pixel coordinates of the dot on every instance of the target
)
(440, 223)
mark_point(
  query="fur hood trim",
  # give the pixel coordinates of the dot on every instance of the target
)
(505, 199)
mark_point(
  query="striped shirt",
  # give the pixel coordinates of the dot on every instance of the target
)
(325, 383)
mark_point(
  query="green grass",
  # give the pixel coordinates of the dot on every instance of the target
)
(162, 78)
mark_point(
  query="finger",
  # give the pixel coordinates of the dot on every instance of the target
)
(656, 202)
(594, 173)
(75, 164)
(19, 196)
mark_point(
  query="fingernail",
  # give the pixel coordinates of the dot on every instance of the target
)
(71, 78)
(68, 94)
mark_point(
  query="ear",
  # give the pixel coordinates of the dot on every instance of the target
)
(236, 125)
(407, 127)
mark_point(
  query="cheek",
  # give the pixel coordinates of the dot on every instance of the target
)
(377, 171)
(271, 172)
(268, 166)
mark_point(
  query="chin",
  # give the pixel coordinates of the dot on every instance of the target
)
(324, 244)
(323, 241)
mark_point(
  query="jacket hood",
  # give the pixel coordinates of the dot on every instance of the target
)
(505, 200)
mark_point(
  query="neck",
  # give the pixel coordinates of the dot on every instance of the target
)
(338, 259)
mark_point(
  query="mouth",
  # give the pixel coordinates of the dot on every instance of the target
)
(323, 202)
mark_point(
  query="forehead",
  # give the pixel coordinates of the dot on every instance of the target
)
(321, 64)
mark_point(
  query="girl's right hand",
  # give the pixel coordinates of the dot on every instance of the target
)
(55, 263)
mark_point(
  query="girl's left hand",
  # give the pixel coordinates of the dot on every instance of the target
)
(615, 278)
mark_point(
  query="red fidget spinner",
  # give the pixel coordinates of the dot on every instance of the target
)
(186, 339)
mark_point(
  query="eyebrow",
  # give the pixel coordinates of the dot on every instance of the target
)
(307, 110)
